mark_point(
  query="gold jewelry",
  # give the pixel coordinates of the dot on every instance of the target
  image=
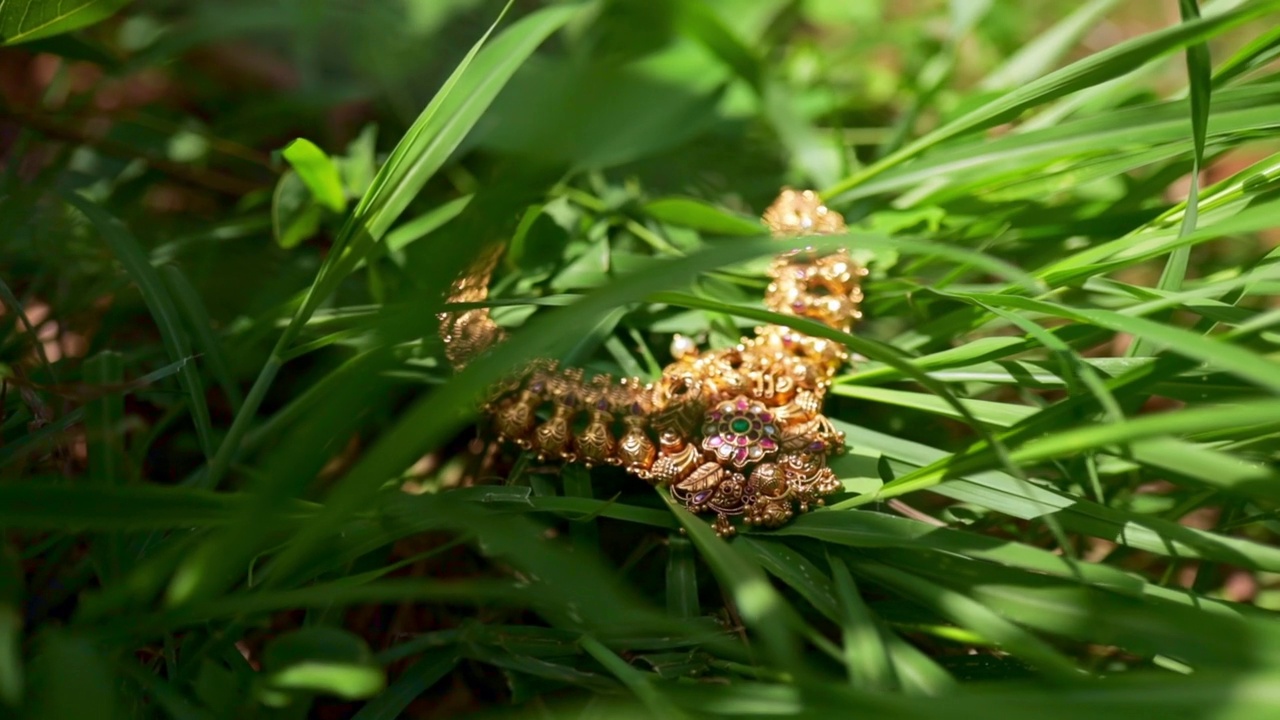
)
(735, 431)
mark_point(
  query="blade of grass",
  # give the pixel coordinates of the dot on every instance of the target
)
(1005, 494)
(967, 612)
(197, 317)
(866, 656)
(11, 301)
(427, 671)
(1113, 62)
(420, 153)
(762, 609)
(1037, 57)
(1198, 74)
(104, 431)
(12, 681)
(162, 308)
(682, 579)
(639, 683)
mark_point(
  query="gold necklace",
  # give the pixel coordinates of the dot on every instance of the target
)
(734, 431)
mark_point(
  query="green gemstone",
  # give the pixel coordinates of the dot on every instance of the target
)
(740, 425)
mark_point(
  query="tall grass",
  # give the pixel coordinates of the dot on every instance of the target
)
(250, 489)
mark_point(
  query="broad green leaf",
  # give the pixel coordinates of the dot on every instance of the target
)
(318, 172)
(295, 216)
(93, 690)
(321, 660)
(25, 20)
(690, 213)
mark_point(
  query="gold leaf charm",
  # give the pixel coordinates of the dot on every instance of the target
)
(696, 490)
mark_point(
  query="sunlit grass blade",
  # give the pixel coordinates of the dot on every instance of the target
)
(970, 613)
(1006, 494)
(1037, 57)
(1198, 74)
(420, 153)
(761, 607)
(867, 657)
(1100, 67)
(875, 530)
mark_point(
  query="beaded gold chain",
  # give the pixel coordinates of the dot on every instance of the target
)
(732, 431)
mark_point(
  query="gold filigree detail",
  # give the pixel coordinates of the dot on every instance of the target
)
(735, 431)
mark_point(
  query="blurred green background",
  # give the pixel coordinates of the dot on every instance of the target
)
(237, 478)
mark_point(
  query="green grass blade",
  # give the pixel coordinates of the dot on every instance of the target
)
(15, 306)
(1114, 62)
(1038, 57)
(967, 612)
(12, 673)
(437, 132)
(682, 579)
(1198, 74)
(424, 673)
(761, 607)
(866, 656)
(197, 317)
(1006, 494)
(162, 307)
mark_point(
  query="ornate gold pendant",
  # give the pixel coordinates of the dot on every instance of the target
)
(734, 431)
